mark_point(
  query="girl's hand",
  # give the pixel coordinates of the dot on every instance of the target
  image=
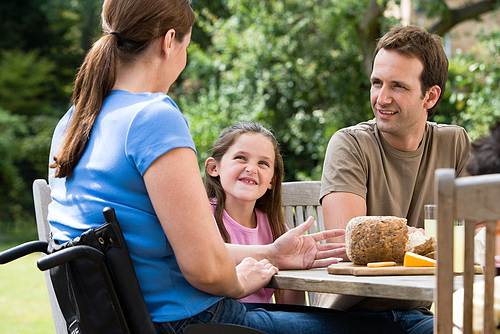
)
(294, 250)
(254, 275)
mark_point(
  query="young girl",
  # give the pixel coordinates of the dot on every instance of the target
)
(243, 182)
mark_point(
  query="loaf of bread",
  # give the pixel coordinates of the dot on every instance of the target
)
(376, 238)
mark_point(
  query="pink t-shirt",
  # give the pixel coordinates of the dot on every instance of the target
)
(241, 235)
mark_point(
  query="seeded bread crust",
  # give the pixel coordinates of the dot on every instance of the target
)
(376, 238)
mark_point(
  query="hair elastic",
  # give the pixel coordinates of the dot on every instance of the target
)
(118, 37)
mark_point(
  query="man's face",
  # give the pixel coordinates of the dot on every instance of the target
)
(396, 96)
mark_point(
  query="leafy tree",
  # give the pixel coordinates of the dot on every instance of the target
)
(474, 90)
(24, 149)
(11, 183)
(294, 74)
(371, 27)
(24, 26)
(52, 29)
(300, 67)
(447, 17)
(26, 81)
(41, 47)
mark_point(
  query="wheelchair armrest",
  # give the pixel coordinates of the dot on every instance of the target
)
(70, 254)
(18, 251)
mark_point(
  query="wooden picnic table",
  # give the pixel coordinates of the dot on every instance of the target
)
(409, 287)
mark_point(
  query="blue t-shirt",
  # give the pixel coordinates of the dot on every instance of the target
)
(131, 131)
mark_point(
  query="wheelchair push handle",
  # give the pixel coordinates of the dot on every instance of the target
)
(70, 254)
(22, 250)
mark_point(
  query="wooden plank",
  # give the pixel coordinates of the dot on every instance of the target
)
(445, 195)
(468, 276)
(301, 193)
(289, 217)
(483, 189)
(419, 287)
(411, 287)
(489, 277)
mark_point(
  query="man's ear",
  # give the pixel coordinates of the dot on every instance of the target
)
(431, 97)
(211, 166)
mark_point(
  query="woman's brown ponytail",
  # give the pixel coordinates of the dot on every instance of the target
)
(93, 83)
(129, 27)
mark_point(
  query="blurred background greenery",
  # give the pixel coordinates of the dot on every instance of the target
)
(300, 67)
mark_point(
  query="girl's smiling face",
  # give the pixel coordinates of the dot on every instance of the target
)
(246, 170)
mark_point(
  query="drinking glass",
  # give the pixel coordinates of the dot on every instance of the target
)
(458, 246)
(430, 220)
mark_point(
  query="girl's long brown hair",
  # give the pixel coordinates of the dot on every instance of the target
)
(271, 202)
(134, 25)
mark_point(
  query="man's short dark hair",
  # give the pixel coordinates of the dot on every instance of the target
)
(415, 42)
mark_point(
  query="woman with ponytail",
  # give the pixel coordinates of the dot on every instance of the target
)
(125, 144)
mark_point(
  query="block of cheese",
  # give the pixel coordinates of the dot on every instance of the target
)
(415, 260)
(380, 264)
(376, 239)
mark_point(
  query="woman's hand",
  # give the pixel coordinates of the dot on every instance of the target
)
(254, 275)
(294, 250)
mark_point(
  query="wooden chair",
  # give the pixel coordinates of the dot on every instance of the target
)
(468, 199)
(301, 200)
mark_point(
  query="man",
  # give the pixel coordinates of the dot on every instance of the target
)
(386, 166)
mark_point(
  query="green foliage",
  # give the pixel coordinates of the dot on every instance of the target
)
(24, 26)
(433, 8)
(24, 151)
(27, 119)
(11, 128)
(53, 30)
(39, 52)
(473, 92)
(25, 82)
(295, 66)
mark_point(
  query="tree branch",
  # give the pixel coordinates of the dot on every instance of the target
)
(369, 31)
(461, 14)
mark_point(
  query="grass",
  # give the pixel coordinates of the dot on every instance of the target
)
(24, 301)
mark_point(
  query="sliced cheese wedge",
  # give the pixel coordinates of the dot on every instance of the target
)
(415, 260)
(380, 264)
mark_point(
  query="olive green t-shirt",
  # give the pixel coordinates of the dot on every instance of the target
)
(394, 183)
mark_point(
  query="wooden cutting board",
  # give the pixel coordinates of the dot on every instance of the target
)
(348, 268)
